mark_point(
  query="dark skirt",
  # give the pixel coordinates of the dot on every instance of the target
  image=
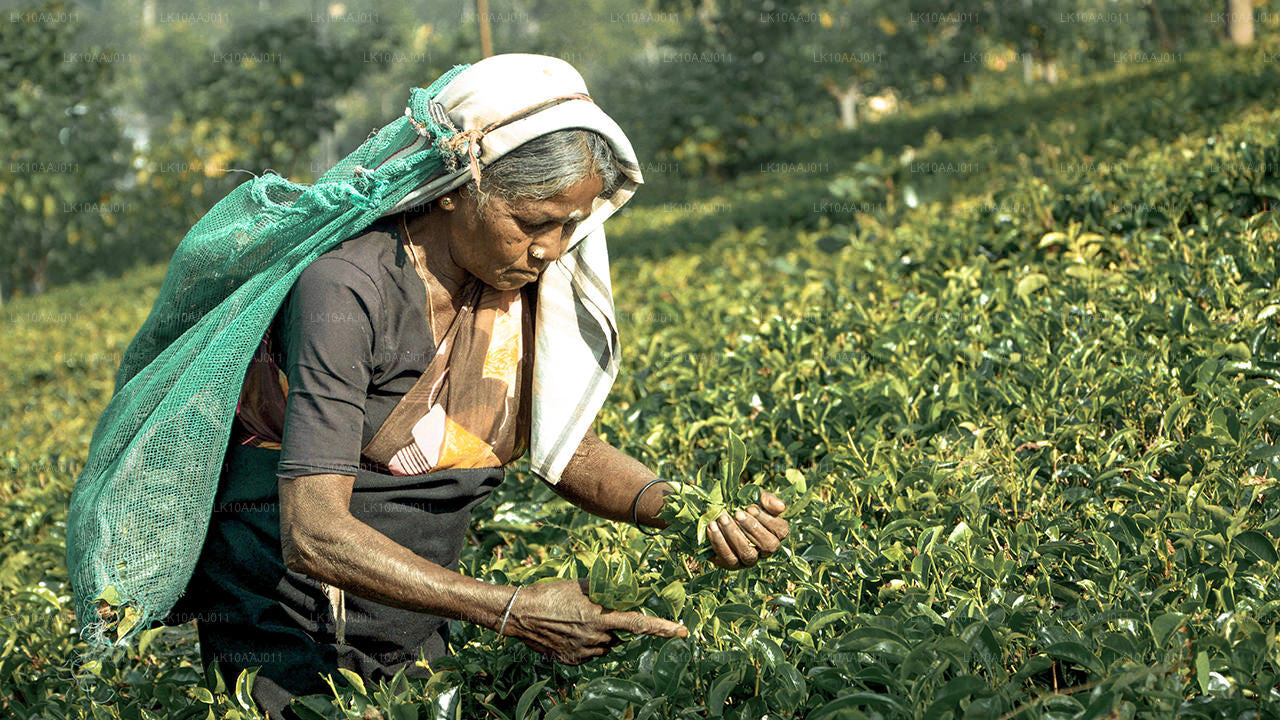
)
(250, 610)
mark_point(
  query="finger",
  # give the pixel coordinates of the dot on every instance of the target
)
(594, 652)
(724, 554)
(772, 503)
(634, 622)
(742, 547)
(776, 525)
(543, 650)
(763, 538)
(601, 638)
(538, 647)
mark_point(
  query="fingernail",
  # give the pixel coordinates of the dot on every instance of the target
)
(753, 510)
(740, 515)
(724, 520)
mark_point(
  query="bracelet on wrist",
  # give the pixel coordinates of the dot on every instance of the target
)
(507, 613)
(635, 507)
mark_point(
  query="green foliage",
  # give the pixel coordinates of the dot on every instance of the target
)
(740, 76)
(83, 203)
(258, 100)
(736, 78)
(63, 152)
(1026, 425)
(271, 90)
(692, 507)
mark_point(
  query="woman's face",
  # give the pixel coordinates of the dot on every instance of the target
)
(500, 244)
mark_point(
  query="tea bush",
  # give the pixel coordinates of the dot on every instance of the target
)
(1026, 417)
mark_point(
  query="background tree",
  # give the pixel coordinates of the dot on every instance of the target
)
(918, 47)
(705, 88)
(1240, 21)
(739, 77)
(258, 101)
(64, 154)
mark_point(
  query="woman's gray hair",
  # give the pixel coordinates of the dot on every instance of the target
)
(547, 166)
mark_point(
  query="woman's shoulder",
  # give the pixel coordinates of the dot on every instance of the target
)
(369, 248)
(368, 256)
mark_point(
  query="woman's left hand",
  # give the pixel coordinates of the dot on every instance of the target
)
(740, 539)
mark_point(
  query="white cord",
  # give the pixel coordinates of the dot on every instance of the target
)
(507, 614)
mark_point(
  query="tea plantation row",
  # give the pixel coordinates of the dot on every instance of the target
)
(1032, 402)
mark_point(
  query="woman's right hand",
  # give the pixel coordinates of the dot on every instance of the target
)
(557, 619)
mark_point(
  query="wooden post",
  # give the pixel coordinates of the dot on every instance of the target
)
(1240, 21)
(486, 40)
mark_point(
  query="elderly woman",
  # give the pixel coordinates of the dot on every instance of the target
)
(396, 382)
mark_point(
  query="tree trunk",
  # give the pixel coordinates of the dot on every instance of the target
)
(1028, 69)
(36, 275)
(320, 14)
(706, 14)
(1162, 32)
(1240, 21)
(847, 98)
(1051, 71)
(486, 40)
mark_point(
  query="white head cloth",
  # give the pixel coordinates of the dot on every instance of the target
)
(576, 350)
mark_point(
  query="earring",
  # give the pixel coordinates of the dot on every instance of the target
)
(538, 253)
(446, 203)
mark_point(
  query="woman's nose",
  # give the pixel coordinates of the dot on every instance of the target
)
(539, 258)
(545, 253)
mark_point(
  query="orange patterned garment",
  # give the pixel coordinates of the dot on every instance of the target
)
(470, 415)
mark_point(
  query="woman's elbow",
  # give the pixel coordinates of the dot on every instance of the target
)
(314, 520)
(301, 549)
(309, 543)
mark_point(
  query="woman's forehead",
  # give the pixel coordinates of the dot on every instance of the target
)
(574, 203)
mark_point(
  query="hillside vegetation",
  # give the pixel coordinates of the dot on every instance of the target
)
(1014, 360)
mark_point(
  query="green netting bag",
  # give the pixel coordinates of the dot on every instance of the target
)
(142, 504)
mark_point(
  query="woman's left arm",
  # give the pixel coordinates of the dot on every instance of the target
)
(603, 480)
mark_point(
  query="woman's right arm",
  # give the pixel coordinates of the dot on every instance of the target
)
(322, 539)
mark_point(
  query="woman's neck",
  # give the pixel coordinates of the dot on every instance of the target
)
(433, 249)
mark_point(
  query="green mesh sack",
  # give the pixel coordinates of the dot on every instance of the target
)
(141, 506)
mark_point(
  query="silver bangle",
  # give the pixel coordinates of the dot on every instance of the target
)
(635, 507)
(507, 614)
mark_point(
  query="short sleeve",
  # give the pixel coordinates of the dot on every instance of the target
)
(327, 332)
